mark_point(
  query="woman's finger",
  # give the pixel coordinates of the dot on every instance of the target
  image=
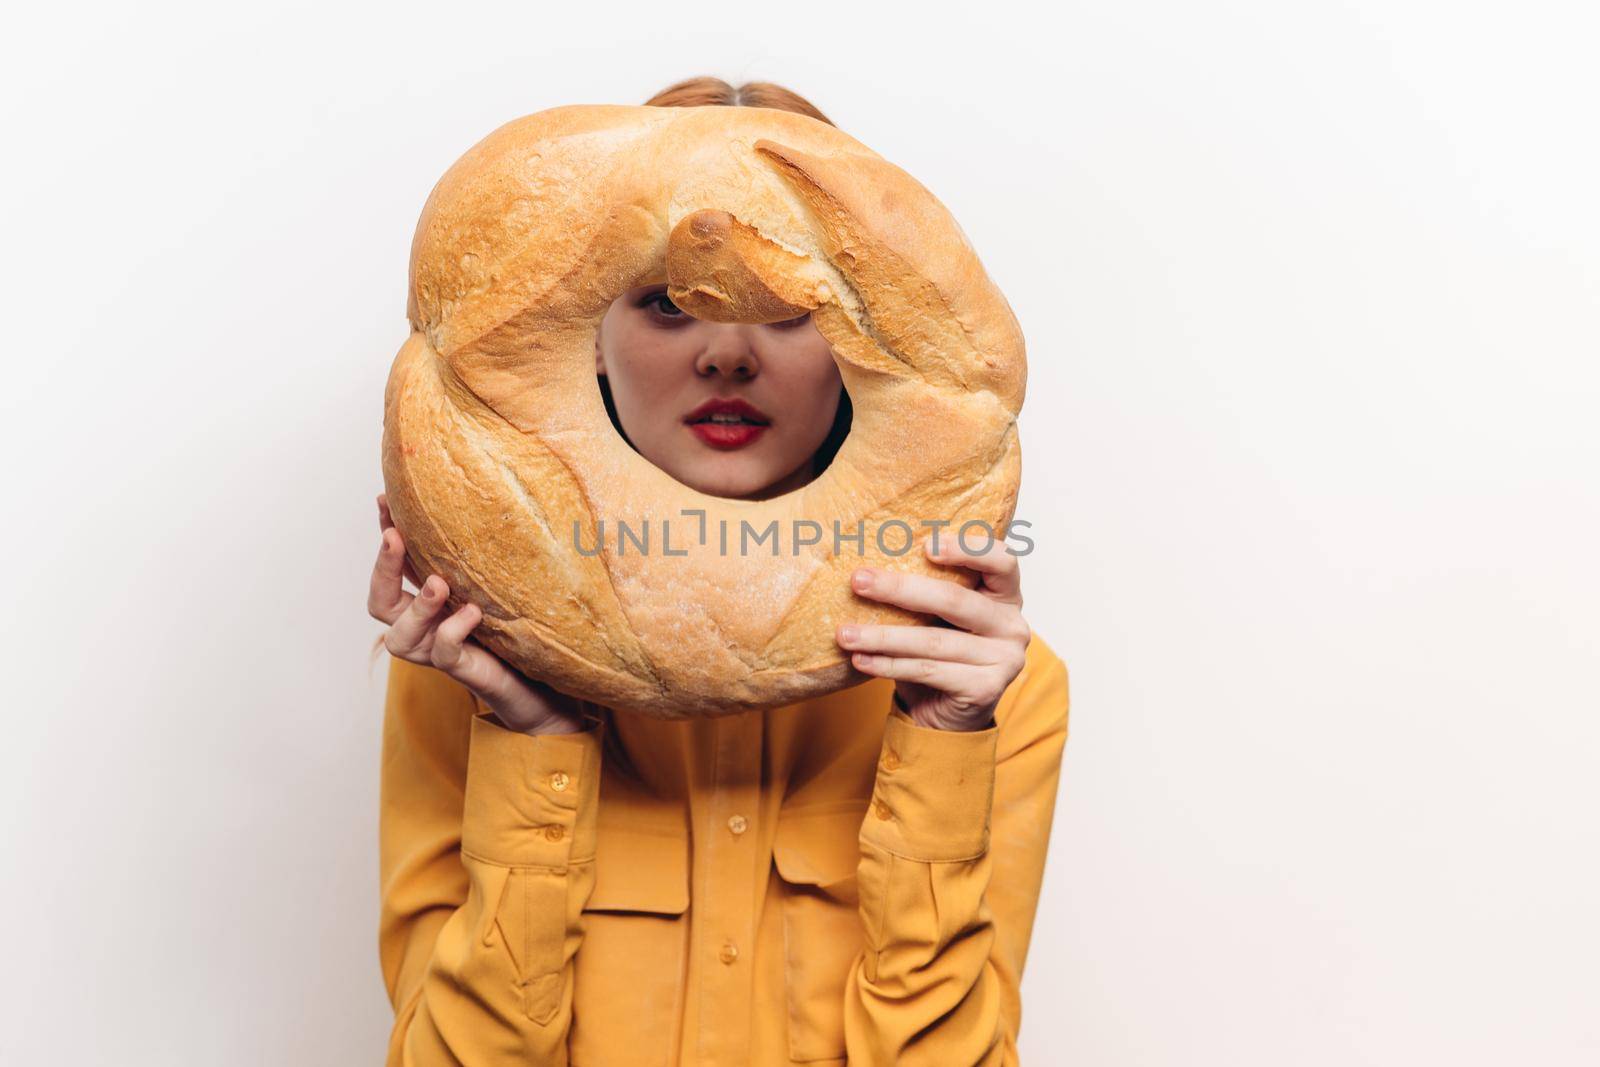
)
(386, 522)
(460, 623)
(951, 601)
(961, 681)
(462, 659)
(1002, 574)
(386, 600)
(924, 642)
(410, 632)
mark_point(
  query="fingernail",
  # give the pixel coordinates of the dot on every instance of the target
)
(862, 579)
(849, 633)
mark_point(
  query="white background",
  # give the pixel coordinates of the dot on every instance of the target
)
(1310, 452)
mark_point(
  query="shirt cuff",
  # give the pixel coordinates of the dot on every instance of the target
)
(531, 799)
(934, 792)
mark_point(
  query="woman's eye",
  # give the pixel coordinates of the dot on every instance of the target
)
(661, 304)
(789, 324)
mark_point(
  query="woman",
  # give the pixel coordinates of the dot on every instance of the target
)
(852, 878)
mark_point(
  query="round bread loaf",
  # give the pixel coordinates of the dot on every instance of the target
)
(595, 570)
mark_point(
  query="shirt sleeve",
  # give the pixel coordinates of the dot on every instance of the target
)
(952, 860)
(486, 847)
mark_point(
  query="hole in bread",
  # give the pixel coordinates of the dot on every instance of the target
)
(661, 373)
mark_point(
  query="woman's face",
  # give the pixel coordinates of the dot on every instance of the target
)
(664, 366)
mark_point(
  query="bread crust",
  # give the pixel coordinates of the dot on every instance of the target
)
(500, 461)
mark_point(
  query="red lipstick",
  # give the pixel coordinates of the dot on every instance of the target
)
(727, 422)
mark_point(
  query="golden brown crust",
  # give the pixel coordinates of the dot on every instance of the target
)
(496, 445)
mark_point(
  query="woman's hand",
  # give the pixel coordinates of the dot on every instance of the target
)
(948, 677)
(417, 633)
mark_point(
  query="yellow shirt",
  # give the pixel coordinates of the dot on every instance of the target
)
(820, 883)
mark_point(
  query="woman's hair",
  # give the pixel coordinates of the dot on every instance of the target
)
(706, 91)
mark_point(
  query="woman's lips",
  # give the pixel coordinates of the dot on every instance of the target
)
(727, 422)
(727, 435)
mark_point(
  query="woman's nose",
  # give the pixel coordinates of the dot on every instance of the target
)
(729, 353)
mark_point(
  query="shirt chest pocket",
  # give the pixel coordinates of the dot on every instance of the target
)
(628, 985)
(816, 850)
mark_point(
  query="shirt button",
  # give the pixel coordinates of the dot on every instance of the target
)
(554, 833)
(880, 809)
(737, 824)
(890, 760)
(729, 952)
(559, 780)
